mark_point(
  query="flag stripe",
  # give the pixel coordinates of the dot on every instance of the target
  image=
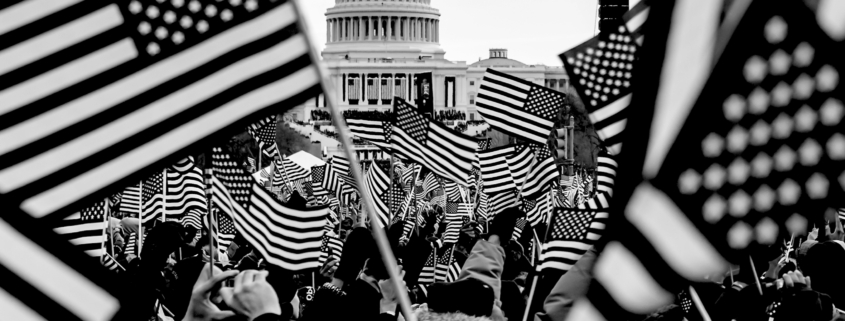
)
(57, 39)
(67, 75)
(174, 140)
(26, 12)
(136, 122)
(52, 277)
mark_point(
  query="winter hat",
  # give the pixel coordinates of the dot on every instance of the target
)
(469, 296)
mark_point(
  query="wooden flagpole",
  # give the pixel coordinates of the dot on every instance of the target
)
(536, 276)
(698, 305)
(390, 195)
(209, 174)
(756, 276)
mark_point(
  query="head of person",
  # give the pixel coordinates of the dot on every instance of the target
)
(823, 263)
(465, 300)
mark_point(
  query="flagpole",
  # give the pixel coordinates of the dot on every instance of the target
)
(698, 304)
(209, 173)
(536, 276)
(346, 141)
(390, 191)
(413, 193)
(106, 227)
(139, 236)
(285, 169)
(164, 195)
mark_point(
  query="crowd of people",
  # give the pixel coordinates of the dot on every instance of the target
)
(443, 115)
(368, 115)
(317, 114)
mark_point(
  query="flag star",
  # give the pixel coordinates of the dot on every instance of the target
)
(758, 101)
(842, 180)
(739, 204)
(796, 224)
(779, 61)
(828, 78)
(781, 94)
(714, 208)
(782, 126)
(803, 87)
(760, 133)
(788, 192)
(186, 22)
(714, 177)
(251, 5)
(194, 6)
(734, 107)
(803, 54)
(755, 69)
(602, 44)
(817, 186)
(766, 231)
(805, 119)
(210, 11)
(161, 32)
(153, 49)
(764, 198)
(761, 166)
(135, 7)
(738, 171)
(202, 26)
(784, 159)
(775, 30)
(836, 147)
(152, 12)
(177, 3)
(810, 152)
(144, 27)
(831, 112)
(712, 145)
(178, 37)
(737, 139)
(739, 236)
(689, 182)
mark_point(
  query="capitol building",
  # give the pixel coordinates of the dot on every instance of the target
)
(378, 50)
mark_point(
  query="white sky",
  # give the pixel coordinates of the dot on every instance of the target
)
(533, 31)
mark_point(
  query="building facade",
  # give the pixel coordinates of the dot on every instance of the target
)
(378, 50)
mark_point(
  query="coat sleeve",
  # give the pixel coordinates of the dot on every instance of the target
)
(568, 289)
(485, 264)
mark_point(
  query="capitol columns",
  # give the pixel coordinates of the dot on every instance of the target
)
(389, 27)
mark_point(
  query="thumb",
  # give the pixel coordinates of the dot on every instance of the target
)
(222, 315)
(807, 279)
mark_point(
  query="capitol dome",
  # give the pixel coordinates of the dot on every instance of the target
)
(399, 29)
(498, 59)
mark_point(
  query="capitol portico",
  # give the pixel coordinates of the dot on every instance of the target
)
(377, 50)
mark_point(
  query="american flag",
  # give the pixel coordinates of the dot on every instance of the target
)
(445, 258)
(354, 87)
(86, 229)
(766, 166)
(224, 231)
(185, 190)
(372, 87)
(331, 248)
(341, 169)
(519, 227)
(251, 166)
(542, 174)
(97, 94)
(376, 132)
(400, 85)
(571, 234)
(427, 273)
(494, 169)
(318, 174)
(483, 202)
(194, 218)
(605, 174)
(152, 197)
(498, 202)
(453, 193)
(454, 222)
(519, 163)
(601, 71)
(517, 107)
(841, 214)
(110, 263)
(377, 183)
(285, 237)
(409, 224)
(447, 153)
(290, 170)
(264, 133)
(537, 210)
(130, 201)
(429, 184)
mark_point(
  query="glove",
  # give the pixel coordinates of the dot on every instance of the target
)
(358, 247)
(504, 224)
